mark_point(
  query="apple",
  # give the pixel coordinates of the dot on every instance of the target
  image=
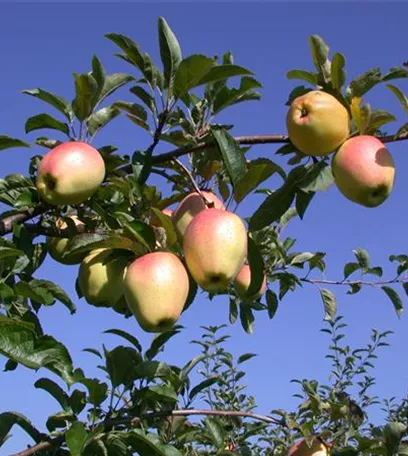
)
(156, 287)
(70, 173)
(242, 282)
(314, 448)
(317, 123)
(100, 278)
(215, 248)
(364, 170)
(189, 207)
(56, 246)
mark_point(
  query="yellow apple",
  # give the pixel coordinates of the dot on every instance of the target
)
(314, 448)
(364, 170)
(156, 287)
(215, 248)
(70, 173)
(317, 123)
(56, 246)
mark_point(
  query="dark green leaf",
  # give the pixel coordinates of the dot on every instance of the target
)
(338, 75)
(215, 431)
(55, 390)
(97, 390)
(76, 437)
(257, 268)
(77, 401)
(147, 99)
(56, 291)
(233, 311)
(401, 97)
(112, 83)
(377, 271)
(247, 318)
(226, 96)
(9, 252)
(362, 84)
(85, 95)
(129, 337)
(232, 155)
(9, 419)
(141, 232)
(59, 103)
(170, 52)
(189, 73)
(121, 365)
(245, 357)
(149, 444)
(100, 118)
(202, 386)
(133, 109)
(349, 268)
(92, 241)
(158, 343)
(317, 178)
(307, 76)
(302, 202)
(6, 293)
(6, 142)
(221, 72)
(329, 302)
(395, 299)
(297, 92)
(396, 73)
(271, 302)
(45, 121)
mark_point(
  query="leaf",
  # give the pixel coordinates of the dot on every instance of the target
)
(59, 103)
(320, 53)
(141, 232)
(302, 258)
(121, 365)
(393, 433)
(395, 299)
(97, 390)
(189, 73)
(76, 437)
(149, 444)
(147, 99)
(54, 390)
(338, 75)
(302, 202)
(77, 401)
(363, 258)
(401, 97)
(225, 71)
(45, 121)
(133, 109)
(6, 142)
(19, 342)
(226, 96)
(396, 73)
(100, 118)
(329, 302)
(112, 83)
(378, 118)
(307, 76)
(167, 224)
(57, 292)
(271, 302)
(158, 342)
(246, 357)
(215, 431)
(233, 311)
(126, 336)
(349, 268)
(9, 252)
(259, 170)
(362, 84)
(202, 386)
(92, 241)
(232, 155)
(162, 393)
(170, 53)
(85, 95)
(247, 319)
(257, 268)
(360, 115)
(9, 419)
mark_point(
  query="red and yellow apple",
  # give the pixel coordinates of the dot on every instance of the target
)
(304, 448)
(242, 282)
(364, 170)
(317, 123)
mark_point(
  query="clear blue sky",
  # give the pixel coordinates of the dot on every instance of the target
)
(42, 44)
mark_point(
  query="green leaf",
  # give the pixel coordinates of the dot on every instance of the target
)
(378, 118)
(158, 343)
(133, 109)
(45, 121)
(167, 223)
(329, 302)
(396, 73)
(147, 99)
(317, 178)
(338, 75)
(77, 401)
(259, 170)
(112, 83)
(257, 268)
(320, 55)
(129, 337)
(85, 95)
(170, 53)
(97, 390)
(271, 302)
(26, 290)
(162, 393)
(60, 420)
(363, 258)
(76, 437)
(377, 271)
(362, 84)
(302, 202)
(226, 96)
(233, 311)
(19, 342)
(6, 293)
(393, 433)
(189, 73)
(121, 365)
(395, 299)
(215, 431)
(401, 97)
(56, 291)
(9, 252)
(6, 142)
(99, 74)
(247, 319)
(92, 241)
(349, 268)
(232, 155)
(59, 103)
(100, 118)
(9, 419)
(246, 357)
(55, 391)
(221, 72)
(307, 76)
(141, 232)
(149, 444)
(202, 386)
(302, 258)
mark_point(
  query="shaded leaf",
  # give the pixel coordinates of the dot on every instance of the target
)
(158, 342)
(257, 268)
(100, 118)
(129, 337)
(349, 268)
(121, 365)
(189, 73)
(45, 121)
(6, 142)
(59, 103)
(54, 390)
(76, 437)
(85, 95)
(202, 386)
(395, 299)
(363, 83)
(271, 302)
(338, 75)
(221, 72)
(170, 52)
(9, 419)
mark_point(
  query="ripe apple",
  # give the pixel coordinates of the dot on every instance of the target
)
(56, 246)
(215, 248)
(100, 279)
(190, 206)
(242, 282)
(364, 171)
(70, 173)
(156, 287)
(315, 448)
(317, 123)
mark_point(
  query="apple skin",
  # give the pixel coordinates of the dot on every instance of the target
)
(215, 248)
(156, 287)
(317, 123)
(168, 212)
(301, 448)
(56, 246)
(364, 170)
(101, 283)
(242, 282)
(70, 173)
(189, 207)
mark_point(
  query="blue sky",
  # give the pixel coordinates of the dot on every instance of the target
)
(42, 44)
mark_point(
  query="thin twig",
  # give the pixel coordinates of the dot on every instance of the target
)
(377, 283)
(187, 172)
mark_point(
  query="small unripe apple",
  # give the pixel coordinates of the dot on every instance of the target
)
(190, 206)
(215, 248)
(156, 287)
(100, 279)
(242, 282)
(317, 123)
(364, 170)
(302, 448)
(70, 173)
(56, 246)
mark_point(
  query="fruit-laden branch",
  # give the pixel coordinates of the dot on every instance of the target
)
(163, 413)
(6, 225)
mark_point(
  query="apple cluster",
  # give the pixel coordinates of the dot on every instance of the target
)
(155, 286)
(363, 169)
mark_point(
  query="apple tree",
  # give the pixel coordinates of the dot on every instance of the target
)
(144, 252)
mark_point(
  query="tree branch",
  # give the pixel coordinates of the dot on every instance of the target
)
(378, 283)
(6, 225)
(41, 446)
